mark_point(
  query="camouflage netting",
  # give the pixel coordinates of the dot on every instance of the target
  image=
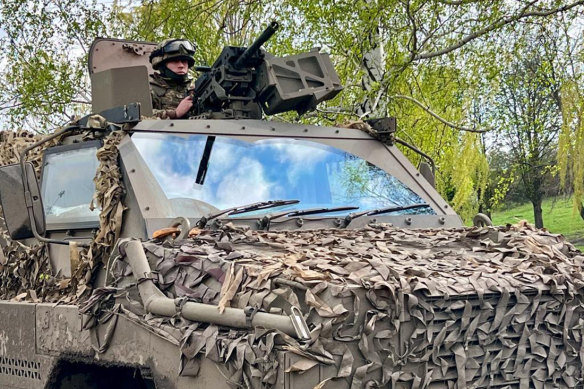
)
(26, 273)
(109, 191)
(387, 307)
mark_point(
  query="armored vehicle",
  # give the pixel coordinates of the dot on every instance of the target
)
(231, 251)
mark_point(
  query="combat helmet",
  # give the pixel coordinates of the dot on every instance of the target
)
(173, 49)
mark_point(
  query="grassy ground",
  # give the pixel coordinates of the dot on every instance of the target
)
(558, 217)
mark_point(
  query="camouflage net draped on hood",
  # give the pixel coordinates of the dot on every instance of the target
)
(388, 307)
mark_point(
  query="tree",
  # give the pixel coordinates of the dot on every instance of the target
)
(571, 140)
(43, 47)
(422, 61)
(529, 117)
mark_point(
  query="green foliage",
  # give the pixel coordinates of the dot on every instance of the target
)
(528, 114)
(390, 54)
(501, 188)
(211, 25)
(571, 141)
(43, 55)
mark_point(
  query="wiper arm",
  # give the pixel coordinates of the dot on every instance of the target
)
(265, 222)
(245, 208)
(380, 211)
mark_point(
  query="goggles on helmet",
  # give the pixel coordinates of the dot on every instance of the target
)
(176, 45)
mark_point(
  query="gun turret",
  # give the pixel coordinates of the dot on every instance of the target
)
(244, 82)
(255, 46)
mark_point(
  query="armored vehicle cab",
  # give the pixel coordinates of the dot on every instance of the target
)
(232, 251)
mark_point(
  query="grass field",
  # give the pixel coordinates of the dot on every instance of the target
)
(558, 217)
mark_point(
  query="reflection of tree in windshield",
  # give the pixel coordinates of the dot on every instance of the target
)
(51, 206)
(364, 182)
(71, 191)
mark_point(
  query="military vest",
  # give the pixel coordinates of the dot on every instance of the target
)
(167, 94)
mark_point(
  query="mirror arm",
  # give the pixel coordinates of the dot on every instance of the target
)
(28, 196)
(420, 152)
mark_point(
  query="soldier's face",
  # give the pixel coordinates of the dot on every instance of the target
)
(179, 66)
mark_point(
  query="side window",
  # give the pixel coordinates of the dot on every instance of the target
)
(67, 186)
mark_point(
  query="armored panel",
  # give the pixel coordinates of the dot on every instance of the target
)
(19, 366)
(14, 207)
(58, 330)
(319, 374)
(120, 86)
(105, 54)
(297, 82)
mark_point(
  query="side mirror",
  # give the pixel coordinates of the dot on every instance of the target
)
(427, 173)
(13, 201)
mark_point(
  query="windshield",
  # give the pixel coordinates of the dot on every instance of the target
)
(227, 172)
(67, 185)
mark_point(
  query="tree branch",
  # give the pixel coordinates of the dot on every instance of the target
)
(10, 106)
(436, 116)
(497, 25)
(458, 2)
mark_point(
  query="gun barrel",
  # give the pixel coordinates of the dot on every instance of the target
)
(263, 38)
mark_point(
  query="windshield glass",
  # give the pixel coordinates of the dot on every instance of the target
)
(227, 172)
(67, 185)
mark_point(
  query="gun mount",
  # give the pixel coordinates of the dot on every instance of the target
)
(246, 81)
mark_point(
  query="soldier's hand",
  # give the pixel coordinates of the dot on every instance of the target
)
(184, 106)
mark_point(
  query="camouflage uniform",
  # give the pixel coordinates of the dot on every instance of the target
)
(166, 95)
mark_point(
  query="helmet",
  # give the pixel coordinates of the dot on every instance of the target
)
(172, 49)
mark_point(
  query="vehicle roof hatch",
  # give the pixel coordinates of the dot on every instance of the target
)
(119, 71)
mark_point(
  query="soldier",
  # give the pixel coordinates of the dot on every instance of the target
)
(172, 59)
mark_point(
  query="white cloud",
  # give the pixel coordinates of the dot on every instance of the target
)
(249, 179)
(296, 151)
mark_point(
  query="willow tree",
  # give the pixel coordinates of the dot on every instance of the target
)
(571, 140)
(426, 62)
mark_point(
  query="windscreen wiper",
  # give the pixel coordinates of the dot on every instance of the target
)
(265, 222)
(245, 208)
(380, 211)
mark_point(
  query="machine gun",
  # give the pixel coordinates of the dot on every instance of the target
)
(246, 81)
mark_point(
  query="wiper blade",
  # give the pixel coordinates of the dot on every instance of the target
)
(397, 209)
(265, 222)
(262, 205)
(314, 211)
(245, 208)
(380, 211)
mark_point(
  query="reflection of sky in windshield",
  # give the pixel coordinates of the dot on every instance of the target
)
(242, 172)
